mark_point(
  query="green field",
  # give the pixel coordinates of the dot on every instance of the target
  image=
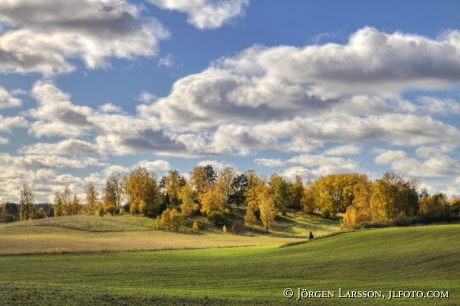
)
(423, 258)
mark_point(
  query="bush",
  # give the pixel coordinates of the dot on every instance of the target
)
(311, 235)
(111, 210)
(217, 218)
(237, 226)
(195, 226)
(326, 213)
(126, 207)
(224, 229)
(5, 218)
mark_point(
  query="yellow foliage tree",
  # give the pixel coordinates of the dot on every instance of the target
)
(187, 198)
(267, 211)
(249, 217)
(143, 190)
(211, 200)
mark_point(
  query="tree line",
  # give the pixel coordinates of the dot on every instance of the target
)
(172, 198)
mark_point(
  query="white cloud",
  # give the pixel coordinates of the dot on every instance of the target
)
(7, 100)
(292, 172)
(3, 140)
(47, 161)
(109, 108)
(205, 14)
(269, 162)
(8, 123)
(390, 156)
(160, 165)
(433, 105)
(325, 165)
(279, 83)
(146, 97)
(216, 165)
(166, 61)
(65, 147)
(344, 150)
(46, 35)
(437, 165)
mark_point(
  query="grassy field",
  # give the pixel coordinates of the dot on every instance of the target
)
(128, 232)
(414, 258)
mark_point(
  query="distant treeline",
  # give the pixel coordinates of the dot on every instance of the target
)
(213, 194)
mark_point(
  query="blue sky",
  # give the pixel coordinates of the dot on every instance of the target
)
(304, 88)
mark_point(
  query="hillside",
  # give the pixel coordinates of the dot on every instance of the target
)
(413, 258)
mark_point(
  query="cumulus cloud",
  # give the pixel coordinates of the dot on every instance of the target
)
(279, 83)
(65, 147)
(118, 134)
(146, 97)
(109, 108)
(44, 183)
(216, 165)
(7, 99)
(205, 14)
(161, 165)
(344, 150)
(269, 162)
(3, 140)
(8, 123)
(45, 36)
(433, 105)
(433, 166)
(47, 161)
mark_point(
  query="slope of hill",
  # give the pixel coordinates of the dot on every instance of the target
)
(419, 259)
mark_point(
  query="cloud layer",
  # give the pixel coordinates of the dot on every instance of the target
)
(44, 36)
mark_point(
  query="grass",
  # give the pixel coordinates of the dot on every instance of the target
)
(414, 258)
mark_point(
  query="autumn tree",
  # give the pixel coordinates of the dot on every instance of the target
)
(199, 180)
(393, 197)
(253, 189)
(435, 205)
(76, 205)
(211, 200)
(296, 192)
(171, 220)
(187, 197)
(250, 218)
(92, 199)
(66, 199)
(26, 204)
(280, 192)
(267, 210)
(57, 205)
(238, 187)
(224, 183)
(143, 190)
(112, 192)
(360, 210)
(173, 182)
(308, 197)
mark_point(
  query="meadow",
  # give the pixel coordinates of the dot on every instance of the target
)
(420, 258)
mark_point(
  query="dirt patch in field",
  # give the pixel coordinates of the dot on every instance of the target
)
(50, 240)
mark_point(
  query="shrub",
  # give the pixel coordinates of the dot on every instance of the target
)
(195, 226)
(237, 226)
(111, 210)
(217, 218)
(224, 229)
(126, 207)
(311, 235)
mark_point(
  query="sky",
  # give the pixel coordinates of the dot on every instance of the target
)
(308, 88)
